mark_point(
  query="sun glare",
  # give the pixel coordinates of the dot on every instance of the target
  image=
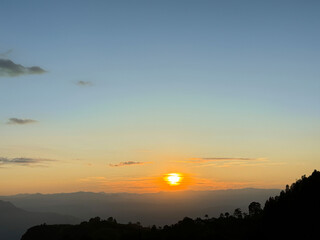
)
(173, 179)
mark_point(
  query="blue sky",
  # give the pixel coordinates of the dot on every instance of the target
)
(179, 78)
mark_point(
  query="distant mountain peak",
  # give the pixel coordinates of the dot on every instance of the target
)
(6, 206)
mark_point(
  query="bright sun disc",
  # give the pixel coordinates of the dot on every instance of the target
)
(173, 179)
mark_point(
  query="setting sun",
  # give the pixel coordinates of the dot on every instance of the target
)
(173, 179)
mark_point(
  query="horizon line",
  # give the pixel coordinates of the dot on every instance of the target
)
(110, 193)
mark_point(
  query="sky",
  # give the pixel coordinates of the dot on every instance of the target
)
(110, 96)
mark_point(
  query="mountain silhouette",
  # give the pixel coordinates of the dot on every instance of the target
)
(168, 207)
(15, 221)
(294, 214)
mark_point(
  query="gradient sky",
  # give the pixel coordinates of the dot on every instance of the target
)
(111, 95)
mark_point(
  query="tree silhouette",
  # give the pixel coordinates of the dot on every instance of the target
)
(255, 209)
(237, 213)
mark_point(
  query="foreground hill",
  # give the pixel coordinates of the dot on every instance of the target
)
(168, 207)
(294, 214)
(15, 221)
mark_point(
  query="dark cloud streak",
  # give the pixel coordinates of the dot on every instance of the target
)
(20, 121)
(23, 161)
(10, 69)
(84, 83)
(128, 163)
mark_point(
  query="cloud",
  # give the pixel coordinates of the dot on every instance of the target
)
(129, 163)
(93, 179)
(84, 83)
(23, 161)
(21, 121)
(134, 184)
(204, 184)
(213, 159)
(11, 69)
(222, 162)
(5, 54)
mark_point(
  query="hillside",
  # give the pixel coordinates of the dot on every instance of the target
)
(295, 212)
(15, 221)
(291, 215)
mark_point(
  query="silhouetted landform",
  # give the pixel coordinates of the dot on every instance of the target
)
(294, 214)
(169, 207)
(15, 221)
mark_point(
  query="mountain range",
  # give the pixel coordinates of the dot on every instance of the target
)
(169, 207)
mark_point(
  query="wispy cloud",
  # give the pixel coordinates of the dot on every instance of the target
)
(21, 121)
(10, 69)
(203, 184)
(93, 179)
(84, 83)
(24, 161)
(128, 163)
(136, 184)
(214, 159)
(5, 54)
(222, 162)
